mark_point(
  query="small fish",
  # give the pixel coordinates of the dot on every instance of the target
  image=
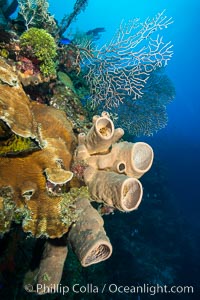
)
(65, 41)
(95, 31)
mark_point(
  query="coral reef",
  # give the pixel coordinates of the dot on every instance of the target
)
(40, 191)
(60, 173)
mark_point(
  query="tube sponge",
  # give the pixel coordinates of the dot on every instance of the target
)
(51, 265)
(133, 159)
(115, 190)
(87, 236)
(101, 136)
(48, 274)
(111, 169)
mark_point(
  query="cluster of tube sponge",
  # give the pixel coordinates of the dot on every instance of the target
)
(111, 171)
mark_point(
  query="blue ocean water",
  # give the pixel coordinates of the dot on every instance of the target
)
(178, 145)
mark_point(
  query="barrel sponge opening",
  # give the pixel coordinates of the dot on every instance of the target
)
(99, 252)
(142, 156)
(105, 127)
(131, 194)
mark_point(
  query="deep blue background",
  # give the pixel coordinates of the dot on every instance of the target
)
(178, 145)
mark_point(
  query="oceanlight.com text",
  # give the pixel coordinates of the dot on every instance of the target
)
(150, 289)
(111, 288)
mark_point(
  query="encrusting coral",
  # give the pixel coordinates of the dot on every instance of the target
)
(50, 187)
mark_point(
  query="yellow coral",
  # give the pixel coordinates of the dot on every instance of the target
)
(15, 144)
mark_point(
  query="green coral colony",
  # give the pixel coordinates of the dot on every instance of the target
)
(42, 46)
(55, 159)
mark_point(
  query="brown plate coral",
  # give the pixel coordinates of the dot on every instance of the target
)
(30, 177)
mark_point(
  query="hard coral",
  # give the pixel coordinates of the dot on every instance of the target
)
(14, 104)
(38, 44)
(27, 195)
